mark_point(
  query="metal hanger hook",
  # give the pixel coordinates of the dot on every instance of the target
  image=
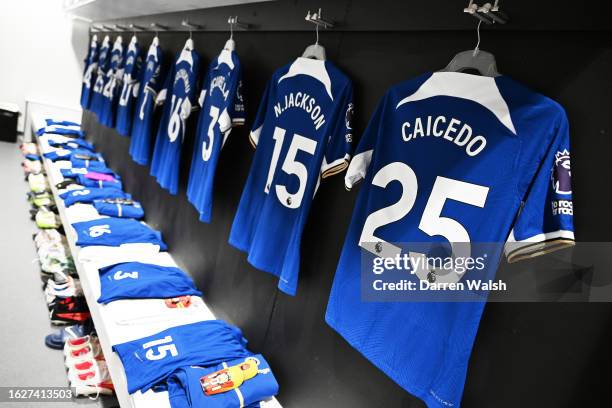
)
(477, 48)
(317, 31)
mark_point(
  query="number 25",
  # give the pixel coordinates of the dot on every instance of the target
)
(432, 223)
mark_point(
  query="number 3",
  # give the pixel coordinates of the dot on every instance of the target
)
(431, 222)
(119, 275)
(207, 147)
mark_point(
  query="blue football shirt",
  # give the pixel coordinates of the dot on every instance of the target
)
(129, 88)
(89, 194)
(222, 108)
(85, 181)
(112, 84)
(151, 83)
(448, 158)
(63, 128)
(80, 161)
(119, 209)
(185, 387)
(135, 280)
(150, 360)
(75, 172)
(180, 90)
(72, 144)
(91, 65)
(115, 232)
(302, 133)
(103, 66)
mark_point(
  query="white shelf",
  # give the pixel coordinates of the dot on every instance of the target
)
(142, 312)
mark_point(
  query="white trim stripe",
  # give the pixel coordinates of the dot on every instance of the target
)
(537, 245)
(326, 166)
(543, 236)
(482, 90)
(313, 68)
(254, 135)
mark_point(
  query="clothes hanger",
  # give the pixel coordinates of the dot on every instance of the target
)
(315, 51)
(185, 54)
(118, 43)
(230, 44)
(481, 61)
(189, 43)
(133, 42)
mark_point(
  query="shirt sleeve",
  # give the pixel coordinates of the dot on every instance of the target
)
(261, 116)
(233, 114)
(340, 145)
(157, 80)
(545, 222)
(163, 93)
(190, 104)
(360, 163)
(236, 107)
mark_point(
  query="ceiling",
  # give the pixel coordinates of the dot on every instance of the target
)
(100, 10)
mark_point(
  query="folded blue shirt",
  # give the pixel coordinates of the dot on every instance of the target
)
(73, 144)
(185, 389)
(115, 232)
(73, 173)
(88, 182)
(88, 195)
(94, 165)
(119, 210)
(135, 280)
(152, 359)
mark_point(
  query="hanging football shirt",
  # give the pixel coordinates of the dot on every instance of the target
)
(151, 83)
(135, 280)
(91, 66)
(129, 89)
(115, 232)
(185, 387)
(180, 88)
(150, 360)
(103, 65)
(112, 84)
(302, 133)
(222, 108)
(88, 195)
(447, 158)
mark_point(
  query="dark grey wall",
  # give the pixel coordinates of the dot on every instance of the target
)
(530, 355)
